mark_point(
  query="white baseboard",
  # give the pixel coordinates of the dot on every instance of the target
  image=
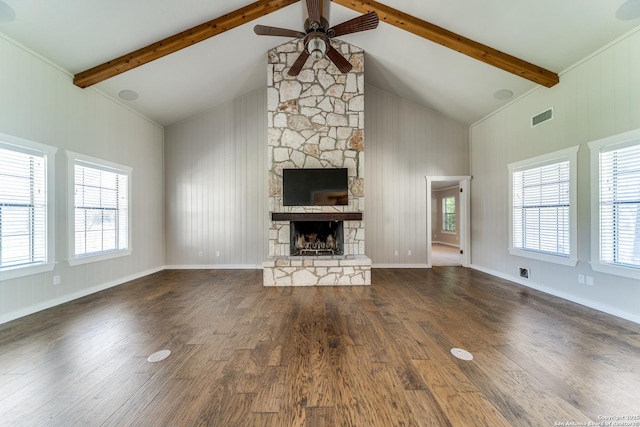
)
(399, 266)
(446, 244)
(566, 296)
(75, 295)
(214, 267)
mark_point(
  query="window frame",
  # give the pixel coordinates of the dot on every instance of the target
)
(445, 213)
(72, 159)
(571, 155)
(18, 144)
(611, 143)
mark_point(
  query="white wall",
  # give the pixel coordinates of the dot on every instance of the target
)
(404, 143)
(216, 192)
(595, 99)
(39, 102)
(216, 180)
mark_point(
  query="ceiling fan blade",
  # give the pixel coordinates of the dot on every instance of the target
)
(264, 30)
(297, 66)
(368, 21)
(339, 61)
(314, 7)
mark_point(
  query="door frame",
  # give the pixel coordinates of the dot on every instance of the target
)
(464, 218)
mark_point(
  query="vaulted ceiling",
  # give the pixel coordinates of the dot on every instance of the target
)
(548, 35)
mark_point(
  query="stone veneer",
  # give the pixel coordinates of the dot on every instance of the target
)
(316, 120)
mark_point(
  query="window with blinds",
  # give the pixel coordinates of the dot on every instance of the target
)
(101, 209)
(541, 209)
(619, 210)
(26, 207)
(543, 212)
(23, 207)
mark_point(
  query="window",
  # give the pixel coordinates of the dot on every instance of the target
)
(543, 209)
(100, 206)
(616, 204)
(449, 214)
(26, 207)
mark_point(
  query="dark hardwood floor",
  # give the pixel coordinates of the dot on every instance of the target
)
(244, 355)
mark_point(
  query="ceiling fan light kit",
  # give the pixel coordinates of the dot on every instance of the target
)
(318, 35)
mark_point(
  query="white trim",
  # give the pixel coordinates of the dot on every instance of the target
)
(75, 295)
(453, 245)
(72, 157)
(564, 295)
(568, 154)
(613, 142)
(11, 142)
(102, 256)
(400, 266)
(213, 267)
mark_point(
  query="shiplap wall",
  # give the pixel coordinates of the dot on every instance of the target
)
(596, 98)
(216, 193)
(39, 102)
(216, 180)
(405, 142)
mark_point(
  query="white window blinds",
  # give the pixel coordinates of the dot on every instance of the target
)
(541, 209)
(23, 207)
(620, 206)
(101, 204)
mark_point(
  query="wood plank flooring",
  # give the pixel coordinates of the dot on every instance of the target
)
(244, 355)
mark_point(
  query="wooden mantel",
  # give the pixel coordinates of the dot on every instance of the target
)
(316, 216)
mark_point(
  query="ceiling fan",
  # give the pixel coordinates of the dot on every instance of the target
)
(317, 36)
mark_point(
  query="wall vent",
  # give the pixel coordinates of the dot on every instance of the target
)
(545, 116)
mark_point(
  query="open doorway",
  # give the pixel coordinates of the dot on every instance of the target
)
(448, 221)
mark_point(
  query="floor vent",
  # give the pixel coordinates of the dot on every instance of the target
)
(545, 116)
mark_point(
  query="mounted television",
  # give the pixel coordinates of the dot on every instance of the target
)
(314, 187)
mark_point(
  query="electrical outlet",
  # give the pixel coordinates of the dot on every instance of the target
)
(395, 252)
(200, 253)
(581, 279)
(589, 280)
(217, 253)
(56, 280)
(409, 252)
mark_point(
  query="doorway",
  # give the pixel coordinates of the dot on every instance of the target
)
(448, 221)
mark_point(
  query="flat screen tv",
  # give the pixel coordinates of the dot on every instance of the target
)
(314, 187)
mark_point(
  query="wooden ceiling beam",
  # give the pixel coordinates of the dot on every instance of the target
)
(454, 41)
(179, 41)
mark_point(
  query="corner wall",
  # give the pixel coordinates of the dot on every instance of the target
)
(597, 98)
(40, 103)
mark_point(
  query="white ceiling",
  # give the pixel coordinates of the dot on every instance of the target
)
(79, 34)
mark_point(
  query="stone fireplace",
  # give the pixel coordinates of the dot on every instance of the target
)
(316, 120)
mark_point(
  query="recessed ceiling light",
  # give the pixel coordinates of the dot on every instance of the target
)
(629, 10)
(6, 13)
(503, 94)
(128, 95)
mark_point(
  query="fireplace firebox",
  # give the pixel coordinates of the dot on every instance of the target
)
(317, 238)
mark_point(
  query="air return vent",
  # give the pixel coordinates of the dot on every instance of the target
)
(545, 116)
